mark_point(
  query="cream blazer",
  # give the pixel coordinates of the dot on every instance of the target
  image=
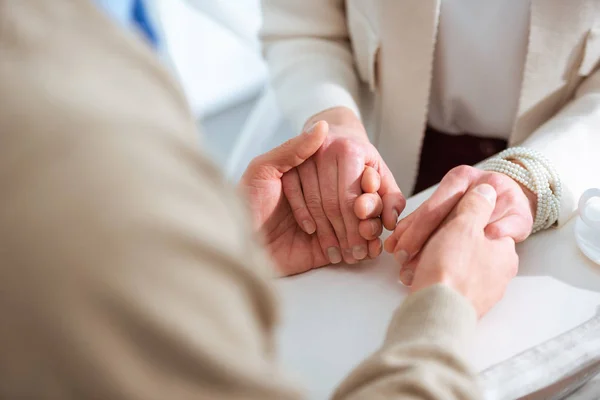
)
(375, 57)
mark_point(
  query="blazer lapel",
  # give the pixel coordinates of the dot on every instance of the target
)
(409, 30)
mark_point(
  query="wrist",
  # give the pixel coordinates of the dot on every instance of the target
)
(531, 197)
(341, 120)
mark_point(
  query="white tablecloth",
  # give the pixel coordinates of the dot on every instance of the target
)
(336, 316)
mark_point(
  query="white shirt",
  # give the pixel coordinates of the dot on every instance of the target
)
(478, 66)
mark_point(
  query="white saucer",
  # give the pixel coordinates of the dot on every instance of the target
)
(584, 236)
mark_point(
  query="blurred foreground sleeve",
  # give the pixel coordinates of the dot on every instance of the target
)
(127, 267)
(422, 354)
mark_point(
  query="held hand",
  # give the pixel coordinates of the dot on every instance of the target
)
(461, 256)
(293, 250)
(331, 196)
(512, 216)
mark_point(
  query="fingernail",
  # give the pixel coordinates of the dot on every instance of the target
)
(395, 214)
(402, 257)
(359, 252)
(406, 277)
(309, 227)
(374, 228)
(370, 205)
(379, 247)
(487, 191)
(348, 257)
(311, 128)
(334, 255)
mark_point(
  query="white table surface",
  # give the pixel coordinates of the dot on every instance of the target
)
(334, 317)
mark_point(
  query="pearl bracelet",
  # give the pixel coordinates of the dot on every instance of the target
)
(532, 170)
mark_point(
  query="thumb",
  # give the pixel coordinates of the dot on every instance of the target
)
(477, 205)
(393, 199)
(296, 150)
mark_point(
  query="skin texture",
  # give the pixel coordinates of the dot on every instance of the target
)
(302, 222)
(512, 216)
(461, 255)
(325, 190)
(293, 249)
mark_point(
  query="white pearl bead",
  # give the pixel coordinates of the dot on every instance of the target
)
(536, 174)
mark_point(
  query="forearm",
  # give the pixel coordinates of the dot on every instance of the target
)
(307, 47)
(341, 120)
(420, 358)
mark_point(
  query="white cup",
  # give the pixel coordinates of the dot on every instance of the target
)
(587, 226)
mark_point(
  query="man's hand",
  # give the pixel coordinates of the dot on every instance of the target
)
(294, 250)
(462, 256)
(512, 216)
(323, 191)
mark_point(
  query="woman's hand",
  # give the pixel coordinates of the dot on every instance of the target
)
(294, 250)
(462, 256)
(323, 191)
(512, 216)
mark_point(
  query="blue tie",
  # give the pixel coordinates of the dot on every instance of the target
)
(131, 13)
(139, 16)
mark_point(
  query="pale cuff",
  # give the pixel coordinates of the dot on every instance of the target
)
(571, 141)
(437, 314)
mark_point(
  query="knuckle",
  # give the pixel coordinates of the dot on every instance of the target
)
(494, 231)
(461, 172)
(299, 209)
(255, 164)
(313, 202)
(349, 202)
(326, 237)
(329, 139)
(513, 197)
(331, 207)
(342, 238)
(431, 213)
(347, 146)
(496, 179)
(317, 213)
(290, 188)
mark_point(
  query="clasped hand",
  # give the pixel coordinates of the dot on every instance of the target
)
(512, 216)
(320, 197)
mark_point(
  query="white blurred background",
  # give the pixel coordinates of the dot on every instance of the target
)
(214, 48)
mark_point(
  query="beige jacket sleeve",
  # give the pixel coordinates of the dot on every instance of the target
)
(307, 47)
(128, 267)
(571, 141)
